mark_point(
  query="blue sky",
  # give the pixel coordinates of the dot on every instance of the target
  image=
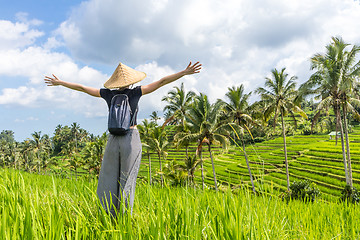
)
(238, 42)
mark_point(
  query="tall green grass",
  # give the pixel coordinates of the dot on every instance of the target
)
(45, 207)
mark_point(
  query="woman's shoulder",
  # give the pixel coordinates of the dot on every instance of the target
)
(105, 92)
(128, 91)
(136, 91)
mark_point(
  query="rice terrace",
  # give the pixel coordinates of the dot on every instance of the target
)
(284, 167)
(37, 206)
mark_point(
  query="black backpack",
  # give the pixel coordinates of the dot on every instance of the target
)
(120, 119)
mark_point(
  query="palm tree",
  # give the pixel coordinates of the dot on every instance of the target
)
(184, 143)
(335, 83)
(154, 117)
(46, 150)
(12, 150)
(94, 152)
(158, 142)
(191, 162)
(3, 151)
(237, 109)
(205, 127)
(75, 162)
(145, 130)
(7, 136)
(26, 154)
(75, 132)
(350, 75)
(176, 173)
(62, 137)
(278, 98)
(178, 104)
(37, 145)
(8, 150)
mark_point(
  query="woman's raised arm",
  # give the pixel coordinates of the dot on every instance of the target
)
(190, 69)
(54, 81)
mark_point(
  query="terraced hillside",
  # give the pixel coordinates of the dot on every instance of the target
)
(313, 157)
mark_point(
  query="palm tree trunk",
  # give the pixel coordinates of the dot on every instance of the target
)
(15, 160)
(247, 163)
(347, 146)
(336, 131)
(148, 153)
(39, 162)
(188, 165)
(192, 176)
(336, 126)
(213, 167)
(161, 174)
(202, 170)
(285, 151)
(338, 120)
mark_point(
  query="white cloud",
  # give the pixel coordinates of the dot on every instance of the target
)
(53, 43)
(152, 102)
(20, 61)
(17, 35)
(23, 96)
(17, 120)
(238, 42)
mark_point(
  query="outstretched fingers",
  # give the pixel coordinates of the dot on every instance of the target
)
(51, 81)
(194, 68)
(197, 67)
(48, 81)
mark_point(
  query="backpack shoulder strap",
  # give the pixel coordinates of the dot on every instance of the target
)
(133, 117)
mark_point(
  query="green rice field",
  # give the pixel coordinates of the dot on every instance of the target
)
(314, 157)
(36, 206)
(47, 207)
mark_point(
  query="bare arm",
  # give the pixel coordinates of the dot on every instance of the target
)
(54, 81)
(190, 69)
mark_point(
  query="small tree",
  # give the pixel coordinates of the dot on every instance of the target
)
(237, 109)
(158, 142)
(302, 190)
(146, 131)
(206, 127)
(350, 195)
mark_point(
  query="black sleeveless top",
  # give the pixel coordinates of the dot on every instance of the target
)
(134, 95)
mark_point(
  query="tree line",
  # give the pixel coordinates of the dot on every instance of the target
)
(327, 101)
(70, 148)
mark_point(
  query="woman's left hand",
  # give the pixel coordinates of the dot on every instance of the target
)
(192, 68)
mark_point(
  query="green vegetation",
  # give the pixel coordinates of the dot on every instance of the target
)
(309, 161)
(45, 207)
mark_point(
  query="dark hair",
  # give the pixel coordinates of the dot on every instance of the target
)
(123, 88)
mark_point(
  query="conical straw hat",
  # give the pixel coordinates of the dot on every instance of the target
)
(124, 76)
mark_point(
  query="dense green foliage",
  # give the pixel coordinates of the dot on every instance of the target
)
(302, 190)
(350, 195)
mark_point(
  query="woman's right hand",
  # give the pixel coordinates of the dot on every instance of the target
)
(52, 81)
(192, 68)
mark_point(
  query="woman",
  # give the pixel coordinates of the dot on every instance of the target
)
(122, 155)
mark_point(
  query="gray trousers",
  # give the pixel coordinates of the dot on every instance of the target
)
(119, 170)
